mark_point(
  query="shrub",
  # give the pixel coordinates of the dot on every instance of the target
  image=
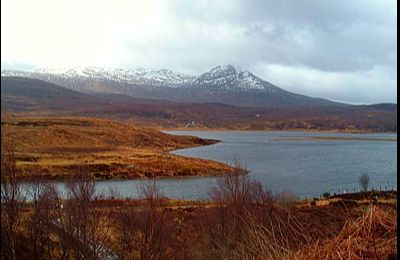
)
(11, 200)
(363, 180)
(326, 195)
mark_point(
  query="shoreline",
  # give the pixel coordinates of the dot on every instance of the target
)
(332, 138)
(202, 129)
(298, 138)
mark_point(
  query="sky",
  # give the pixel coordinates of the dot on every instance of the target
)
(335, 49)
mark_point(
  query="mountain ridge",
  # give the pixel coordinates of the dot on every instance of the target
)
(225, 84)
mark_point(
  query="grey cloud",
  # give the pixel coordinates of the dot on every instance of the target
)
(339, 36)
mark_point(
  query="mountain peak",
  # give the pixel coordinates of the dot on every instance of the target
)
(226, 69)
(231, 77)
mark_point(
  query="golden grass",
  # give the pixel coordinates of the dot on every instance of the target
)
(55, 147)
(372, 236)
(366, 232)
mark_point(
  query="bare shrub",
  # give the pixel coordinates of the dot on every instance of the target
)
(224, 225)
(125, 220)
(11, 199)
(249, 221)
(81, 226)
(145, 232)
(233, 188)
(238, 198)
(363, 181)
(153, 225)
(40, 222)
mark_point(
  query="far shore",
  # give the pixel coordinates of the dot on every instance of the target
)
(204, 129)
(298, 138)
(334, 138)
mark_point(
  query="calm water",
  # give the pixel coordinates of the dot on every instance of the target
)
(305, 167)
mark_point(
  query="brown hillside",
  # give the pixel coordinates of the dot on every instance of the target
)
(56, 147)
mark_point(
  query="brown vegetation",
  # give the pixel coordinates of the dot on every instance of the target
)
(156, 228)
(56, 147)
(11, 199)
(371, 236)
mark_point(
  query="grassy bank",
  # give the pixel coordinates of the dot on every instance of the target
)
(55, 147)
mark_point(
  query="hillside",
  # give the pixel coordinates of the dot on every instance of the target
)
(23, 95)
(55, 147)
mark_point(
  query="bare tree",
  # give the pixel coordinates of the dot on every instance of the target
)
(125, 219)
(233, 188)
(233, 194)
(145, 232)
(81, 223)
(42, 220)
(249, 221)
(11, 199)
(363, 181)
(154, 224)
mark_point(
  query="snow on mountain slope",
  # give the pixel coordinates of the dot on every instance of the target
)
(233, 78)
(138, 76)
(222, 84)
(220, 77)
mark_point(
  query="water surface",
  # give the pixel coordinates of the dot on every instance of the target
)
(283, 161)
(286, 161)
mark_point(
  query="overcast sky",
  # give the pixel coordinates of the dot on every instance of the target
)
(341, 50)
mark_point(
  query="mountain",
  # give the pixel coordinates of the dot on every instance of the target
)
(230, 85)
(20, 94)
(230, 78)
(94, 79)
(138, 76)
(37, 97)
(24, 94)
(222, 84)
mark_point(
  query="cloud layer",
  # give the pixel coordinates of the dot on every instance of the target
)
(333, 49)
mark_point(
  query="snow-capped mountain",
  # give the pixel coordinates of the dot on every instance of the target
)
(138, 76)
(233, 78)
(222, 84)
(220, 77)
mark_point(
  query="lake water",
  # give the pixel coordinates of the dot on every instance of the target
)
(282, 162)
(306, 167)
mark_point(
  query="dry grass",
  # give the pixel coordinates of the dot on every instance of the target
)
(372, 236)
(55, 147)
(304, 232)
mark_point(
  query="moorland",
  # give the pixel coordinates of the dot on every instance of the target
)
(53, 147)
